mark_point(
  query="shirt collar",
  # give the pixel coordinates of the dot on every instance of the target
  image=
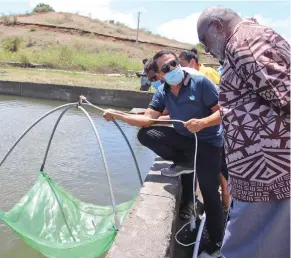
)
(246, 21)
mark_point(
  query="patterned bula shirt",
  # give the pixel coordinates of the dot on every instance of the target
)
(255, 109)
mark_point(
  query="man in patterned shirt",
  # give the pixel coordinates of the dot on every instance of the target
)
(255, 109)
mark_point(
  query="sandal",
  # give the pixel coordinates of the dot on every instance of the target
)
(186, 210)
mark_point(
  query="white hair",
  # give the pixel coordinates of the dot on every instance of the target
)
(218, 12)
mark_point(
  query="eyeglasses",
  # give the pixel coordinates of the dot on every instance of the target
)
(167, 67)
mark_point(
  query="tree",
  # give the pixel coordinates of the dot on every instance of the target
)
(43, 8)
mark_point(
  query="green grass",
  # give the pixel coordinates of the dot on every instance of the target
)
(69, 78)
(72, 58)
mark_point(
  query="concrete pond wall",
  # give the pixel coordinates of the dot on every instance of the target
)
(106, 97)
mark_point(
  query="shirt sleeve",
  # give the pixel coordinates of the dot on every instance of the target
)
(267, 70)
(209, 93)
(158, 102)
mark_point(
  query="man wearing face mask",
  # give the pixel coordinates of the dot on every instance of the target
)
(255, 108)
(155, 79)
(193, 98)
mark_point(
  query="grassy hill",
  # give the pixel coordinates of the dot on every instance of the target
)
(65, 41)
(73, 42)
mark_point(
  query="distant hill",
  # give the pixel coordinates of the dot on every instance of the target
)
(74, 42)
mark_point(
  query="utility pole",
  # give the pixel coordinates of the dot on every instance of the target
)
(138, 17)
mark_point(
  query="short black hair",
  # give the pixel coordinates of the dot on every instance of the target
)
(194, 50)
(144, 61)
(188, 55)
(161, 53)
(149, 65)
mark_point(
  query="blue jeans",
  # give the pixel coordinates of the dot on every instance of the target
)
(258, 230)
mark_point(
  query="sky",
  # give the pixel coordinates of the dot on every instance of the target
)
(175, 19)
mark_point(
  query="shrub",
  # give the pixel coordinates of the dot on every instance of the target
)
(43, 8)
(24, 60)
(12, 43)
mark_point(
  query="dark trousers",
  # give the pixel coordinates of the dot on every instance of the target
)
(224, 170)
(170, 145)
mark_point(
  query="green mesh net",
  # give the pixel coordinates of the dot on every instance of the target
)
(58, 225)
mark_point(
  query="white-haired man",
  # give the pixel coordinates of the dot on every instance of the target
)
(255, 108)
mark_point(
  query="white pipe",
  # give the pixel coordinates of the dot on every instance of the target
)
(199, 235)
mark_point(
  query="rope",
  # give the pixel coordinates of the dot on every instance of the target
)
(115, 113)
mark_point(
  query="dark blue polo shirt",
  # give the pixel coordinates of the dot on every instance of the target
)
(195, 99)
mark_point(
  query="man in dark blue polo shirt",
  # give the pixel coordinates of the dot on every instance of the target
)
(191, 97)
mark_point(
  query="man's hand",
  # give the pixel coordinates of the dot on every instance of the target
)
(195, 125)
(107, 115)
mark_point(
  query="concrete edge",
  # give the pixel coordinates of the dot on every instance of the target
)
(149, 230)
(98, 96)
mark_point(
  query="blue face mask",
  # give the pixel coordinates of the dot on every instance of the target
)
(175, 76)
(156, 84)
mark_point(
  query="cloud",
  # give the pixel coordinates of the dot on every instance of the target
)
(184, 30)
(96, 8)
